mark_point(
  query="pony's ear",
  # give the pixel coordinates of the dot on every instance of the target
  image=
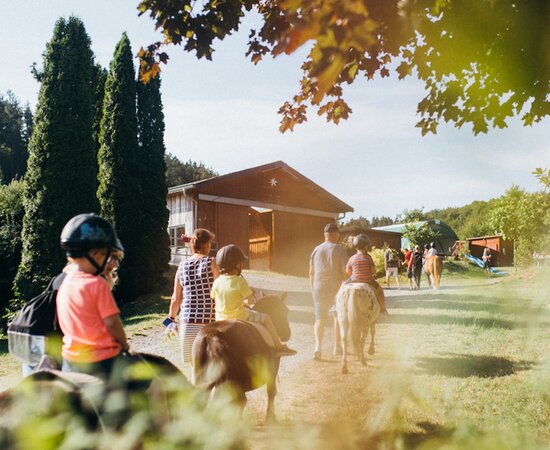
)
(283, 296)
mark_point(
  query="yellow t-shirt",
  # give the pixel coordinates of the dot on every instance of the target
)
(229, 292)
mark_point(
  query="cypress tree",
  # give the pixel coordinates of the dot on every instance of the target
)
(119, 191)
(61, 169)
(98, 80)
(154, 217)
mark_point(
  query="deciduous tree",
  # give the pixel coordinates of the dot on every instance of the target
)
(519, 216)
(14, 135)
(481, 61)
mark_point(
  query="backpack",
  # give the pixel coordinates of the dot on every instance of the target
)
(37, 319)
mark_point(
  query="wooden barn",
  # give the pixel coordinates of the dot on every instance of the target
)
(274, 213)
(502, 251)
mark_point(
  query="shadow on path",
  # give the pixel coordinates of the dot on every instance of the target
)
(464, 366)
(466, 303)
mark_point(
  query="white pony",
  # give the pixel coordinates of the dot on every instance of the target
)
(358, 309)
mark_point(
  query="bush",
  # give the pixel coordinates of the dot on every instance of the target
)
(377, 255)
(11, 220)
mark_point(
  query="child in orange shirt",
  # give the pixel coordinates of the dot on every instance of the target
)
(93, 336)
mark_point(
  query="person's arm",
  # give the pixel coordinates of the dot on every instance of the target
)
(115, 329)
(215, 269)
(176, 300)
(311, 274)
(349, 271)
(250, 300)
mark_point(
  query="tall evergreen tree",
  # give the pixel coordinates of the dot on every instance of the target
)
(154, 217)
(119, 190)
(99, 78)
(62, 169)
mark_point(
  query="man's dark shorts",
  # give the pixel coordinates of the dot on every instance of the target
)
(323, 299)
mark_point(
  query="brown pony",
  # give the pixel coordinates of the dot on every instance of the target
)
(358, 309)
(233, 353)
(433, 267)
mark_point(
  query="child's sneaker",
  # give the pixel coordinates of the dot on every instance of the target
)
(284, 351)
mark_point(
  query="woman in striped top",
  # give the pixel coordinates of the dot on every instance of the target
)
(192, 287)
(361, 269)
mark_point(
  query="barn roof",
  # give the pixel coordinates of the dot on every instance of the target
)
(275, 183)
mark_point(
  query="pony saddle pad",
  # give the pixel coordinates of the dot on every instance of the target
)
(266, 336)
(364, 292)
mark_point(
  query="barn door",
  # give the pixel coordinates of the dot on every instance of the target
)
(259, 244)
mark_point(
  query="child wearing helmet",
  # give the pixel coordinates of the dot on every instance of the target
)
(93, 336)
(360, 268)
(231, 293)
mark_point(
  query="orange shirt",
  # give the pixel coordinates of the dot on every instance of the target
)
(83, 301)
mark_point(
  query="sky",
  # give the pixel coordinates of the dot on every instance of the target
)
(223, 113)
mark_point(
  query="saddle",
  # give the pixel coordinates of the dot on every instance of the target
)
(262, 331)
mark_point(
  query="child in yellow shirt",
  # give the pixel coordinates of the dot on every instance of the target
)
(231, 293)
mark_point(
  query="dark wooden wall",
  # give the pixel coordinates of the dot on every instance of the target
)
(378, 239)
(228, 222)
(294, 238)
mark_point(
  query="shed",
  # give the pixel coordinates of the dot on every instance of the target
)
(502, 251)
(447, 236)
(274, 213)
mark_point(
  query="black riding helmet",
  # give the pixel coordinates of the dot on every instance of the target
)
(85, 232)
(228, 257)
(361, 242)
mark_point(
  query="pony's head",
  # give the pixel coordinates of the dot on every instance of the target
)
(274, 305)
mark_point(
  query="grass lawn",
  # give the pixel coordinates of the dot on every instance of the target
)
(466, 367)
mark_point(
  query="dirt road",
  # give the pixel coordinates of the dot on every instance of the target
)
(309, 391)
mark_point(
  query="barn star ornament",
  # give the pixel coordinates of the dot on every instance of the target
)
(273, 182)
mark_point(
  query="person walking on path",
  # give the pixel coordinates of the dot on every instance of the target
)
(415, 266)
(327, 271)
(191, 296)
(486, 258)
(408, 256)
(391, 266)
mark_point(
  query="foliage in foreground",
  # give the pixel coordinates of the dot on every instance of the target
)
(466, 53)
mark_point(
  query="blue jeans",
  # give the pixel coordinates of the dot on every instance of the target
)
(100, 369)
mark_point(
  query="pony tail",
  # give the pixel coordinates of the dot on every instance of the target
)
(208, 361)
